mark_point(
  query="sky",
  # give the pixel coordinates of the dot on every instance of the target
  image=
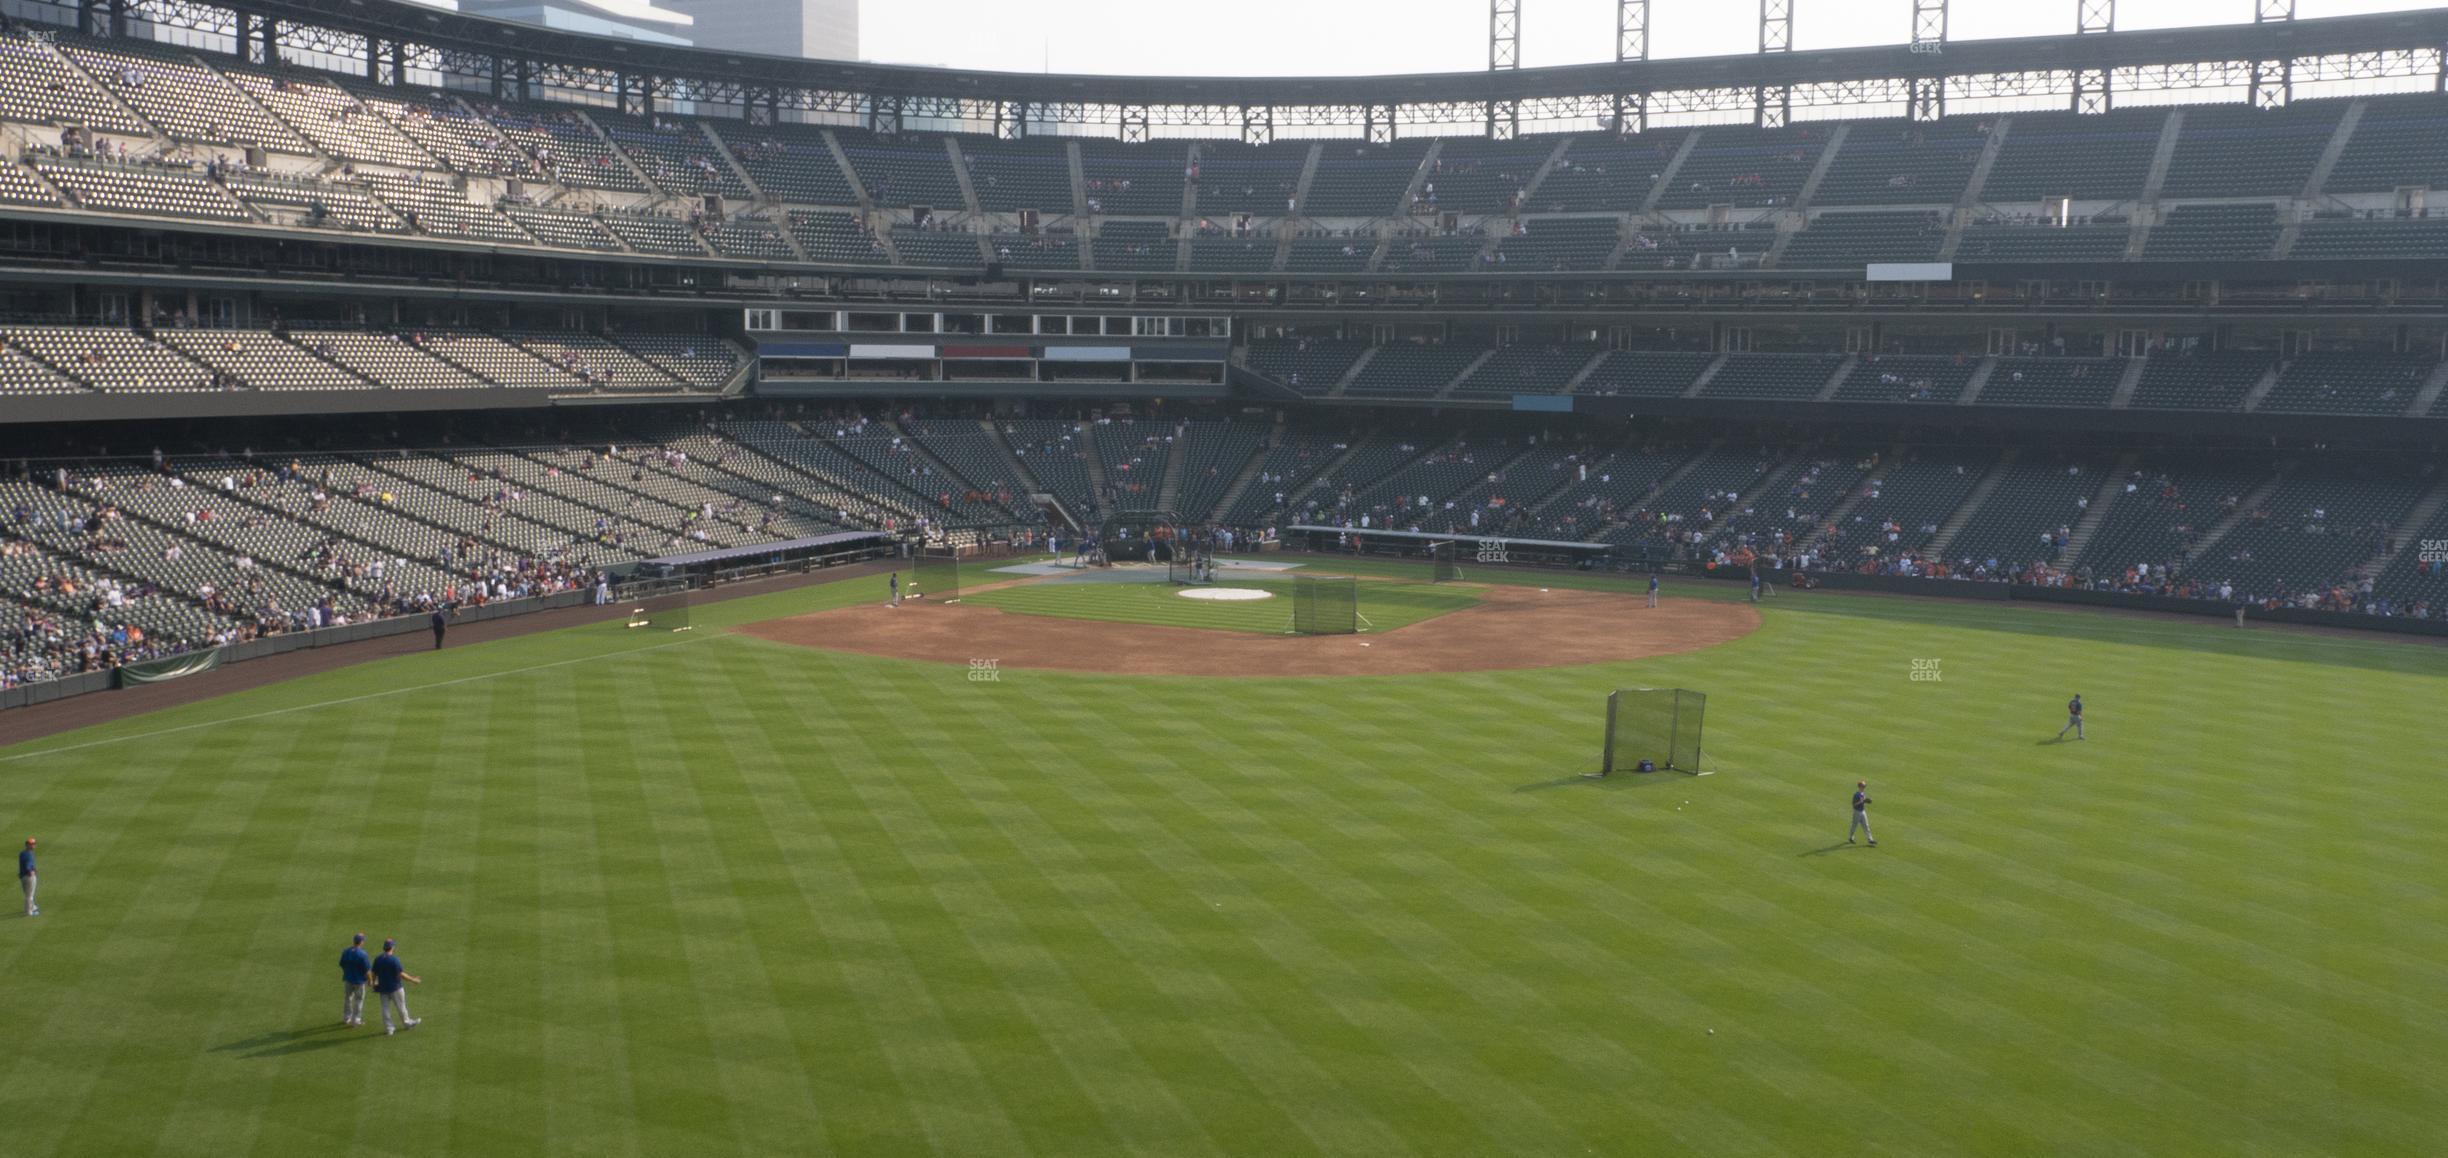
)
(1355, 37)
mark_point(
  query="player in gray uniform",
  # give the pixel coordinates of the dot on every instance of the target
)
(1861, 814)
(2073, 718)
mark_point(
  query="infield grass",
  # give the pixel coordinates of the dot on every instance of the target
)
(710, 894)
(1386, 605)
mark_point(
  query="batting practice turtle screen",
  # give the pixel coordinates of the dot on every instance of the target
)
(665, 612)
(936, 573)
(1660, 725)
(1325, 605)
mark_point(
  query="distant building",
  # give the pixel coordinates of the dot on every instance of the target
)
(623, 19)
(813, 29)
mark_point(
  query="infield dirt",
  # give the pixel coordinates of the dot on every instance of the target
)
(1509, 628)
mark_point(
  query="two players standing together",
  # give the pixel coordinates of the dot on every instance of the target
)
(390, 978)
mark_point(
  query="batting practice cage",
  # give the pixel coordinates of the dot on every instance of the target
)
(935, 575)
(1441, 565)
(1325, 605)
(1190, 563)
(666, 611)
(1656, 726)
(1140, 536)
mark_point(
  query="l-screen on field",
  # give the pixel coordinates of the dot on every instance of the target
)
(712, 891)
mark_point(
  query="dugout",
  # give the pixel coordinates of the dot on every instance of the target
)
(729, 563)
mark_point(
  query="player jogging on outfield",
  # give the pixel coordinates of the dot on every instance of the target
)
(2073, 718)
(25, 877)
(1861, 813)
(1653, 589)
(354, 969)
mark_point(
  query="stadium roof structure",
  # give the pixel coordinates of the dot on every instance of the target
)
(390, 40)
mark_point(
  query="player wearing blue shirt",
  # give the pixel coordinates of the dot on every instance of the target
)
(354, 969)
(1861, 813)
(25, 877)
(2073, 718)
(391, 982)
(1653, 589)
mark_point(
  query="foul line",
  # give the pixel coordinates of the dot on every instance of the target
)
(358, 699)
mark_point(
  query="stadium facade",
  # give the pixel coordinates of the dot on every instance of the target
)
(620, 19)
(2140, 315)
(812, 29)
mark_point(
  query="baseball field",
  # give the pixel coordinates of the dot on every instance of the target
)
(737, 890)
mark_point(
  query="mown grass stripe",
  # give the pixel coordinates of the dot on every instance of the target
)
(736, 895)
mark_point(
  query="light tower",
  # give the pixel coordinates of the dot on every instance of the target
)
(1773, 103)
(1631, 43)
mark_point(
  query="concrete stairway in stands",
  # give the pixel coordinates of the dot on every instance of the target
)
(1977, 383)
(1168, 492)
(2406, 537)
(2428, 396)
(1844, 510)
(1766, 484)
(2127, 383)
(2251, 502)
(2112, 489)
(1458, 379)
(1351, 372)
(1710, 372)
(1970, 507)
(1241, 482)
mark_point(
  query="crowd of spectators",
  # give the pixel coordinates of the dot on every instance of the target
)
(2186, 575)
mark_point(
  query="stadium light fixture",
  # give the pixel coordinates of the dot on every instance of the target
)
(1929, 26)
(1776, 26)
(1631, 30)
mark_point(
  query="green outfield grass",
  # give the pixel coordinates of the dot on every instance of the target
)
(705, 894)
(1386, 605)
